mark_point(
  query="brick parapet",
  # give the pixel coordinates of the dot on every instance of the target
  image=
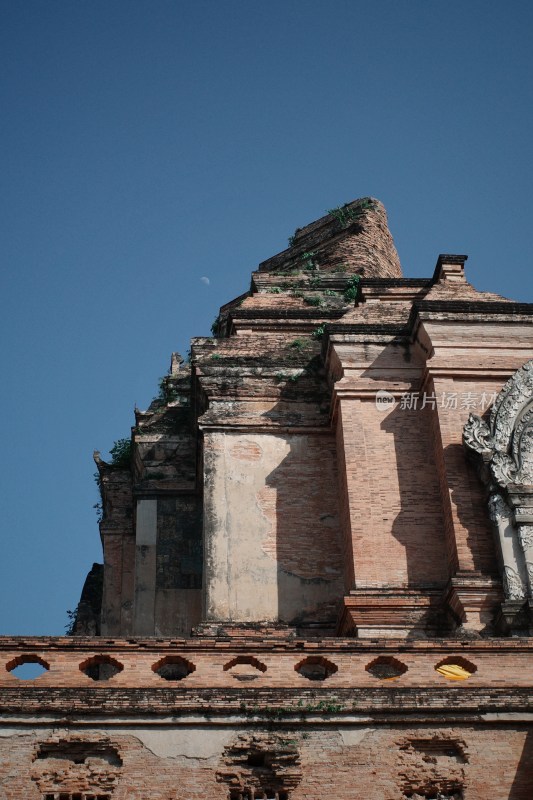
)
(496, 663)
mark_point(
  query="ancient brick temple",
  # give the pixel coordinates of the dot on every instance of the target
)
(318, 554)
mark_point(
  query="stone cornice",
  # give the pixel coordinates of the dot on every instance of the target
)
(287, 313)
(349, 328)
(485, 307)
(263, 643)
(463, 704)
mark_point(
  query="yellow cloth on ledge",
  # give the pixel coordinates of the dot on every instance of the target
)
(454, 672)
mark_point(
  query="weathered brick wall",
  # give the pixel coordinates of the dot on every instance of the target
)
(395, 508)
(175, 762)
(271, 528)
(358, 239)
(469, 535)
(178, 575)
(322, 513)
(245, 719)
(118, 545)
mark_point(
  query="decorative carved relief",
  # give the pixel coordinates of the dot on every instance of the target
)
(525, 534)
(499, 511)
(477, 436)
(506, 443)
(509, 405)
(503, 448)
(514, 576)
(513, 585)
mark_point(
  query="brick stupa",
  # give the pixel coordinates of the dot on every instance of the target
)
(317, 547)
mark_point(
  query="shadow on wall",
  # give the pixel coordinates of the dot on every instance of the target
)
(179, 561)
(418, 525)
(402, 475)
(522, 788)
(420, 522)
(395, 362)
(467, 495)
(304, 536)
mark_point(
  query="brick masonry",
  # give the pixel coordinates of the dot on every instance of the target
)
(202, 761)
(301, 592)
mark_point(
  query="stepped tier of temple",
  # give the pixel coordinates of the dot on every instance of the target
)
(317, 570)
(272, 461)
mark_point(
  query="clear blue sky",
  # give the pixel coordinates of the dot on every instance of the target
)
(147, 144)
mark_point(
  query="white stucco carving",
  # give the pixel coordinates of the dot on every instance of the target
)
(525, 534)
(504, 451)
(513, 585)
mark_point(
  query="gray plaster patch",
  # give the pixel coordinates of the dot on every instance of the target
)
(146, 522)
(197, 744)
(6, 733)
(354, 736)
